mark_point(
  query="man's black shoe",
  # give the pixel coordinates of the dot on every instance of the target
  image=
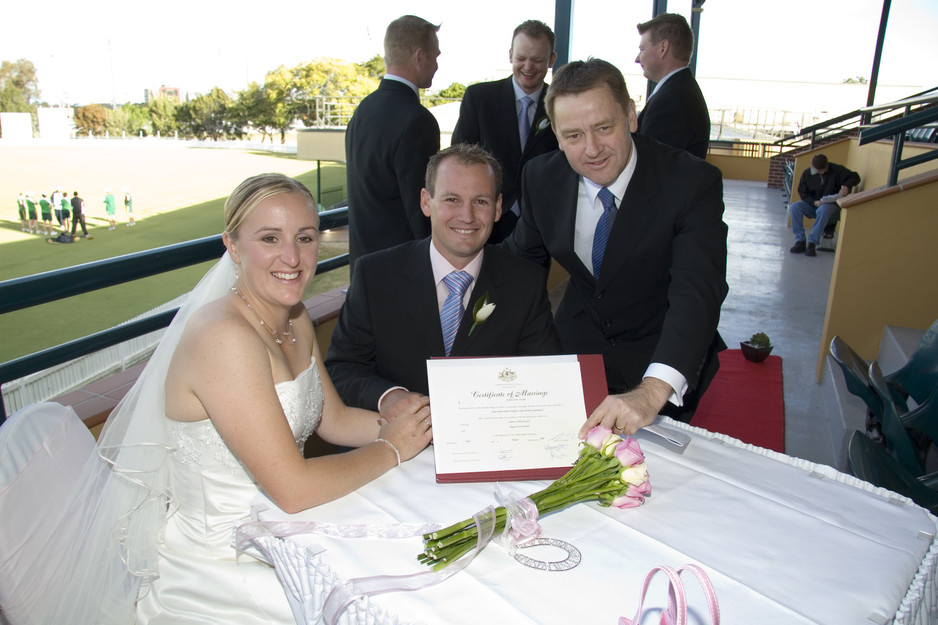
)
(798, 248)
(811, 250)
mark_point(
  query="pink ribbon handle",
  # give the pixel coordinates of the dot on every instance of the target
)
(676, 613)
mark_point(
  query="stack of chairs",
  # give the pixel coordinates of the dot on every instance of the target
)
(899, 447)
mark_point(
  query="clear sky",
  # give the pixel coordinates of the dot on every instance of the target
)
(112, 50)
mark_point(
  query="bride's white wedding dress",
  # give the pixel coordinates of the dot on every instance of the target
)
(202, 579)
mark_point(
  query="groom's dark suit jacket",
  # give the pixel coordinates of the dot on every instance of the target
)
(389, 141)
(663, 278)
(487, 116)
(389, 325)
(677, 115)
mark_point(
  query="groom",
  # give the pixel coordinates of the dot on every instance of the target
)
(417, 301)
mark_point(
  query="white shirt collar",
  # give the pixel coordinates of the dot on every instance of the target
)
(519, 92)
(442, 267)
(403, 80)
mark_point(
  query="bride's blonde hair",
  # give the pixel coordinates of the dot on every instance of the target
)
(255, 190)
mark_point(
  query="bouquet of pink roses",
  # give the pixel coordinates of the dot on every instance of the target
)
(609, 470)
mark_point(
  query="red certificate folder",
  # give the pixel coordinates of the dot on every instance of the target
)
(593, 379)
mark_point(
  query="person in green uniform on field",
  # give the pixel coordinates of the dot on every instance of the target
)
(66, 212)
(46, 209)
(31, 212)
(129, 207)
(109, 207)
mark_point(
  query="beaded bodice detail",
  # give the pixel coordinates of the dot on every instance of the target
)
(198, 442)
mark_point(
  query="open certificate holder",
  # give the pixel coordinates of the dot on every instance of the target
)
(511, 418)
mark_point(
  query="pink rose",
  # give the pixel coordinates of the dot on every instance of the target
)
(625, 501)
(629, 452)
(639, 490)
(597, 435)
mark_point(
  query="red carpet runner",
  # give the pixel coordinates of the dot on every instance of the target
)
(745, 401)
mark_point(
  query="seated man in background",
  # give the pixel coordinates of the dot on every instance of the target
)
(419, 300)
(820, 187)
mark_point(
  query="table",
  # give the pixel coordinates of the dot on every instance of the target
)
(783, 541)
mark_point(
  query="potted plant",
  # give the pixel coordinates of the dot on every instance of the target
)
(757, 348)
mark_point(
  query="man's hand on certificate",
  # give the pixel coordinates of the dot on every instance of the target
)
(629, 412)
(399, 402)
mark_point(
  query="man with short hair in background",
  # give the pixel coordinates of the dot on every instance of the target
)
(676, 112)
(390, 138)
(507, 117)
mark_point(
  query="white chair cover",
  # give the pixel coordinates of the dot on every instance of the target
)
(43, 449)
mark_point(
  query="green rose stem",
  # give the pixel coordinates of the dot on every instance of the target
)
(594, 477)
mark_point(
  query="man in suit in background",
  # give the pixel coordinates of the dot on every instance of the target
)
(389, 140)
(676, 113)
(507, 117)
(401, 308)
(639, 227)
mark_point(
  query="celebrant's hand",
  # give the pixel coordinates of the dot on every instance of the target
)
(400, 402)
(629, 412)
(409, 432)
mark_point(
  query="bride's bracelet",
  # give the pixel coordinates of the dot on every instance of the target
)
(393, 448)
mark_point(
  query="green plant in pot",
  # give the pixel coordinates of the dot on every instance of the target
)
(757, 348)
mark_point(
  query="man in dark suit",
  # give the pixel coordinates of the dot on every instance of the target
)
(389, 140)
(394, 314)
(507, 117)
(639, 227)
(676, 113)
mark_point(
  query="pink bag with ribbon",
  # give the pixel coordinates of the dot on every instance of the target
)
(676, 613)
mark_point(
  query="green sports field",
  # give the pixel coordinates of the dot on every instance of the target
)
(179, 195)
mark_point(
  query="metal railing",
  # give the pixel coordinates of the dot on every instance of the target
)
(911, 118)
(854, 122)
(29, 291)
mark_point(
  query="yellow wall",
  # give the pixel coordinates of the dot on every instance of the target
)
(740, 167)
(884, 270)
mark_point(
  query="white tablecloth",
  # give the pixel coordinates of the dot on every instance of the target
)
(783, 541)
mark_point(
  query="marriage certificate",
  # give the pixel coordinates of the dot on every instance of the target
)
(510, 418)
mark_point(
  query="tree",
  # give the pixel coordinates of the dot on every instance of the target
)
(90, 119)
(19, 87)
(207, 116)
(454, 92)
(254, 110)
(374, 67)
(162, 114)
(129, 119)
(327, 77)
(280, 110)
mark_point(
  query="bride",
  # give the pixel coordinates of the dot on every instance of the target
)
(221, 411)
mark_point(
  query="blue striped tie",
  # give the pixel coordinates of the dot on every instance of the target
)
(524, 126)
(451, 314)
(603, 227)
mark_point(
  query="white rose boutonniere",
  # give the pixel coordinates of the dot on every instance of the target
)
(481, 311)
(541, 125)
